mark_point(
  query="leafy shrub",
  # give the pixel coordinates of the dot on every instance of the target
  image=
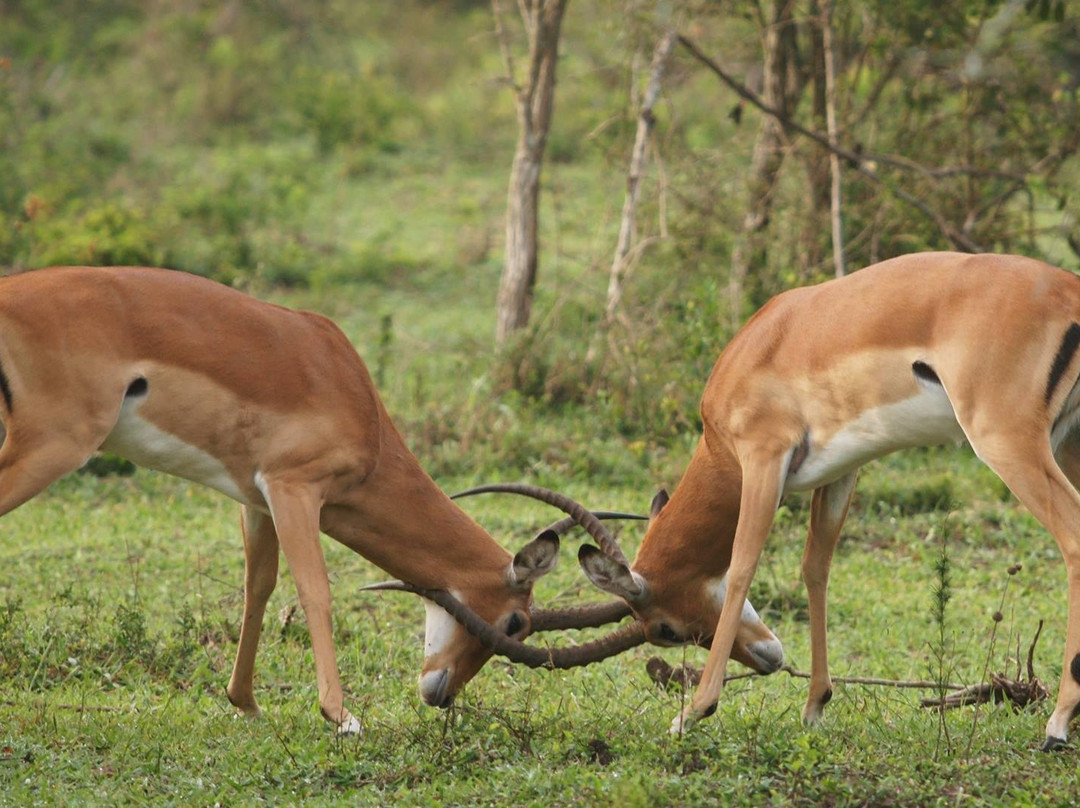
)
(113, 233)
(104, 464)
(359, 110)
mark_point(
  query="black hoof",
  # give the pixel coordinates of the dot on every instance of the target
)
(1052, 744)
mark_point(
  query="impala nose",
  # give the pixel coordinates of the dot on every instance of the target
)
(433, 687)
(768, 654)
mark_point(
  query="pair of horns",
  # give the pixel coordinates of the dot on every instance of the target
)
(629, 636)
(593, 616)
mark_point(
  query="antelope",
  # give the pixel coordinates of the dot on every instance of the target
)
(918, 350)
(273, 408)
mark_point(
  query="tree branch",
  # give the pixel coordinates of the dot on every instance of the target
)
(620, 265)
(864, 164)
(504, 45)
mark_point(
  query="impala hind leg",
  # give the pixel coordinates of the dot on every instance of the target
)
(295, 510)
(757, 505)
(828, 510)
(260, 578)
(1040, 483)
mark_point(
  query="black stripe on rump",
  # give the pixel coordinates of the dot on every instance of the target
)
(5, 389)
(1069, 344)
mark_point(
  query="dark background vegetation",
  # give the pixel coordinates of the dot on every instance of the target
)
(357, 153)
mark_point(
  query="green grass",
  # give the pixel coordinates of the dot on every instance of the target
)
(120, 596)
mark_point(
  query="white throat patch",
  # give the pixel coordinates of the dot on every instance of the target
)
(439, 627)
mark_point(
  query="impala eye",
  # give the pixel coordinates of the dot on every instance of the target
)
(515, 625)
(668, 634)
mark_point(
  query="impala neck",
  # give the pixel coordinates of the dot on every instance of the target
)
(399, 519)
(691, 537)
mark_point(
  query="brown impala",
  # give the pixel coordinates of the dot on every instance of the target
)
(273, 408)
(918, 350)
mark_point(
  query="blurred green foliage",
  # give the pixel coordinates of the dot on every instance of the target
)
(353, 158)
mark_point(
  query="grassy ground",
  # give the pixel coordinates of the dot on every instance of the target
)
(119, 599)
(120, 596)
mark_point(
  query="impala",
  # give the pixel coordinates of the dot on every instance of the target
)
(275, 409)
(918, 350)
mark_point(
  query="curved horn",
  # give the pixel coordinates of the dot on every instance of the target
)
(593, 616)
(569, 522)
(623, 639)
(579, 513)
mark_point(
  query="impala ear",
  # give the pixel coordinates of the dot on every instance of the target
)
(658, 503)
(610, 575)
(535, 559)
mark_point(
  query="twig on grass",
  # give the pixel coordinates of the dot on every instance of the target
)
(864, 680)
(684, 676)
(75, 708)
(1018, 692)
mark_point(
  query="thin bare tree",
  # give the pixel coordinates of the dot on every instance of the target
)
(624, 252)
(831, 130)
(534, 101)
(782, 87)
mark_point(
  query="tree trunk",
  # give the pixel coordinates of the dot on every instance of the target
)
(831, 127)
(768, 154)
(621, 262)
(814, 220)
(534, 101)
(514, 303)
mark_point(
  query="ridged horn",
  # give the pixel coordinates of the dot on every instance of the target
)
(569, 522)
(593, 616)
(623, 639)
(575, 617)
(578, 512)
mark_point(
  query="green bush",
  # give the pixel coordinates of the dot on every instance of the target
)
(112, 234)
(357, 109)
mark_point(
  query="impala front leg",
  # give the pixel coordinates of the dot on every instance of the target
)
(827, 513)
(758, 501)
(260, 578)
(296, 519)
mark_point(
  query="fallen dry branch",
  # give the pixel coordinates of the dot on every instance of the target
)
(1020, 693)
(666, 676)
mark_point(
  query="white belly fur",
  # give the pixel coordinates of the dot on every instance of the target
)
(145, 445)
(926, 419)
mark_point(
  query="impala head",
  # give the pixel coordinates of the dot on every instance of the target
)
(678, 595)
(466, 625)
(452, 655)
